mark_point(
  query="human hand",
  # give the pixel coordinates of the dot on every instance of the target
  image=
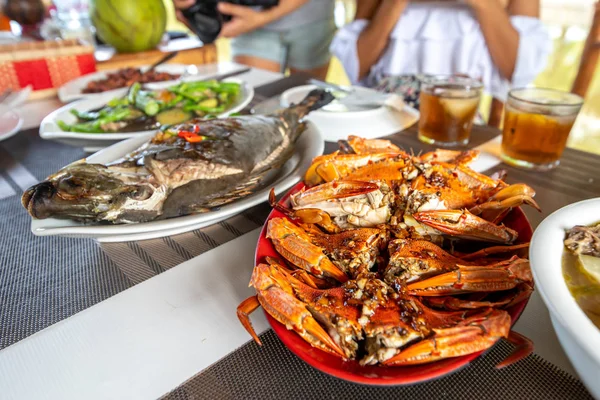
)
(183, 4)
(243, 19)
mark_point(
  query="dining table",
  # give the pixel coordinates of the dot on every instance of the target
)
(87, 319)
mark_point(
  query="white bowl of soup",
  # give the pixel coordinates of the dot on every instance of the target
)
(569, 283)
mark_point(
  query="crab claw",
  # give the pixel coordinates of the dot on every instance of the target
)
(276, 296)
(474, 334)
(304, 215)
(295, 245)
(518, 189)
(464, 225)
(465, 279)
(508, 203)
(498, 206)
(336, 166)
(332, 190)
(331, 309)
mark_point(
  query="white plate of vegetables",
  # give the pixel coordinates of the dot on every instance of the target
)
(98, 122)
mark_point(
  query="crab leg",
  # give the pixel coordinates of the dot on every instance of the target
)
(524, 347)
(472, 179)
(351, 203)
(493, 250)
(490, 278)
(452, 303)
(332, 190)
(358, 145)
(450, 156)
(464, 225)
(522, 292)
(305, 215)
(336, 166)
(244, 310)
(295, 246)
(300, 274)
(277, 297)
(474, 334)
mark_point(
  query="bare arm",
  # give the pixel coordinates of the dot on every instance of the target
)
(374, 38)
(501, 37)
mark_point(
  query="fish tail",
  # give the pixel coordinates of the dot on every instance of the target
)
(314, 100)
(293, 115)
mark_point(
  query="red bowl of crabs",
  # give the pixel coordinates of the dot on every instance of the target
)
(351, 370)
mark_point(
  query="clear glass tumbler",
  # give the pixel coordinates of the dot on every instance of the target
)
(74, 20)
(448, 106)
(537, 123)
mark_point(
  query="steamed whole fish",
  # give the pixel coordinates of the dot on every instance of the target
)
(188, 169)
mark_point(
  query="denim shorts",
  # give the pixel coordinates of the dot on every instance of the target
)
(302, 47)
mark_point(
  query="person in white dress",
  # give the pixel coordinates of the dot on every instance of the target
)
(500, 42)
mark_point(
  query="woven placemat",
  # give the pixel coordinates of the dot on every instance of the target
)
(273, 372)
(44, 280)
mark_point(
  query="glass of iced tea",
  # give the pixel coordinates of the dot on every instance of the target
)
(537, 123)
(448, 106)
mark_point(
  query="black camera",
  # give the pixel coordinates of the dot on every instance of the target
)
(206, 21)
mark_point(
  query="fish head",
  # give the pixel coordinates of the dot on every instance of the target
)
(94, 192)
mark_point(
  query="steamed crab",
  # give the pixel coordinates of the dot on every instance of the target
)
(370, 268)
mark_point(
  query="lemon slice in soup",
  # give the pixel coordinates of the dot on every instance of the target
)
(591, 265)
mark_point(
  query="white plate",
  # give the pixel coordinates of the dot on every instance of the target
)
(50, 130)
(309, 145)
(10, 124)
(72, 90)
(579, 337)
(337, 125)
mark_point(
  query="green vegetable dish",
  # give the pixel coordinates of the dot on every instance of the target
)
(142, 110)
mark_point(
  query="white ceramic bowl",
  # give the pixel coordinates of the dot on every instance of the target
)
(336, 124)
(579, 337)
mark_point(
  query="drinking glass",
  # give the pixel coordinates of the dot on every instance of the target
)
(537, 123)
(448, 106)
(74, 20)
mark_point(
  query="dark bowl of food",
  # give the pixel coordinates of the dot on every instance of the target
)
(565, 260)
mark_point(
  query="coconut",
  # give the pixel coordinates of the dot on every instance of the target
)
(129, 25)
